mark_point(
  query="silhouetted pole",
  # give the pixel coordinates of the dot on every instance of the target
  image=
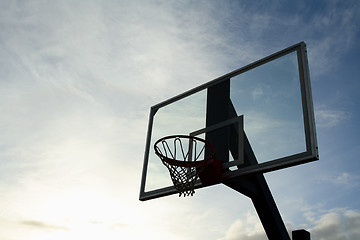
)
(256, 188)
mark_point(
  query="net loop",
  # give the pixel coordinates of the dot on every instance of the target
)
(185, 157)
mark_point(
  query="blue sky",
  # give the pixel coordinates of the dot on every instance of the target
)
(76, 83)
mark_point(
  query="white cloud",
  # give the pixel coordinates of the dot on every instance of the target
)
(328, 118)
(343, 179)
(334, 224)
(248, 229)
(337, 224)
(257, 93)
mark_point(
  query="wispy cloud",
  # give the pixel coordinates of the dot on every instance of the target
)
(328, 118)
(331, 32)
(343, 179)
(43, 225)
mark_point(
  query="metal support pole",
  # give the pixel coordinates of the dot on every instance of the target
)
(264, 204)
(219, 108)
(256, 188)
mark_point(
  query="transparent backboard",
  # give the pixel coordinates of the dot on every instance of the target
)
(267, 103)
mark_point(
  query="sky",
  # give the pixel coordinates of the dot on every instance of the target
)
(77, 80)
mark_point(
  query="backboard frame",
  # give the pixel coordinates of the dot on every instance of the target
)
(311, 153)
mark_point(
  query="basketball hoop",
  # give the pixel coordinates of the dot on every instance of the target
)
(187, 159)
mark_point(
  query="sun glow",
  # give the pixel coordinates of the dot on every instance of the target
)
(78, 214)
(73, 193)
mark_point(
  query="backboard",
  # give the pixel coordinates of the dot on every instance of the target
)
(267, 104)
